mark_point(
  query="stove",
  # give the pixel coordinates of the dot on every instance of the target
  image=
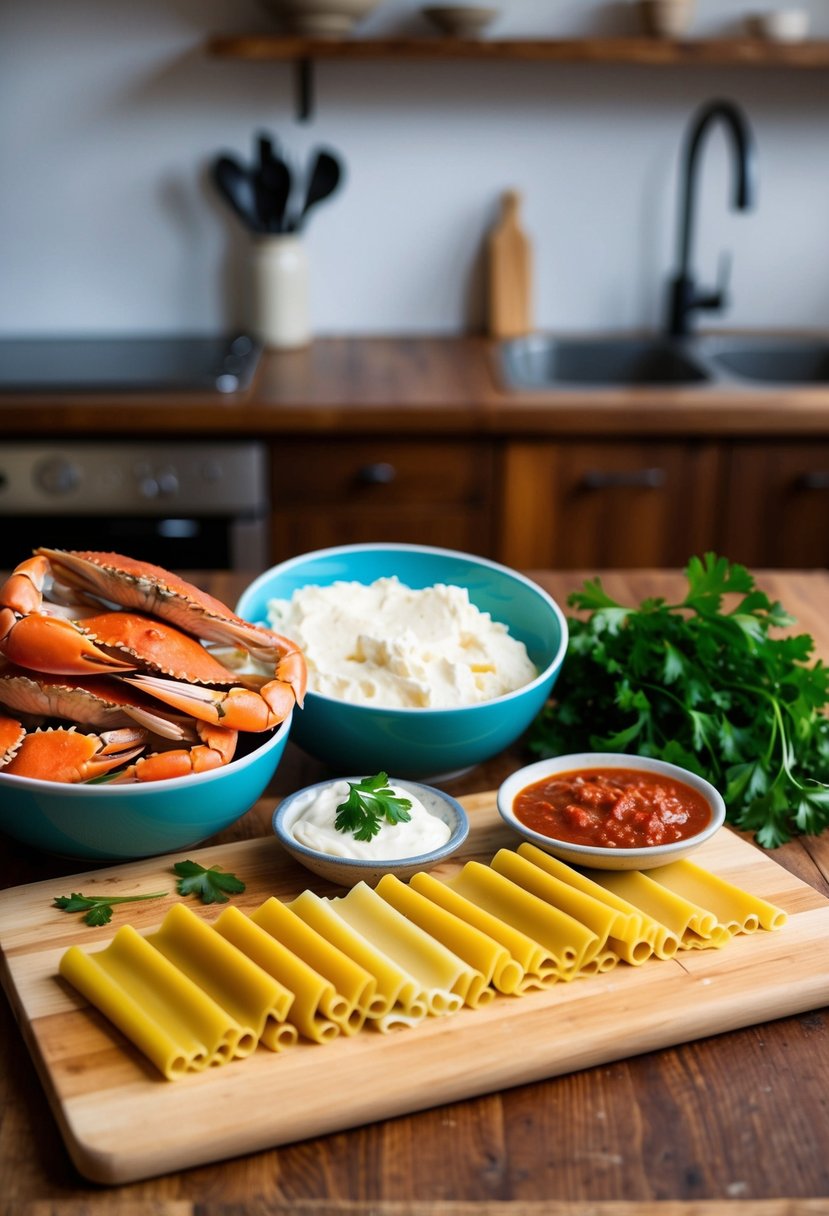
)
(195, 363)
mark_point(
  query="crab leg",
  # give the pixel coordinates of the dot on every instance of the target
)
(237, 708)
(217, 748)
(57, 754)
(96, 701)
(136, 584)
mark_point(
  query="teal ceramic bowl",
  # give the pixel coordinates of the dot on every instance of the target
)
(428, 743)
(120, 822)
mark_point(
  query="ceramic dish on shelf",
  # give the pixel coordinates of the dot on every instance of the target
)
(320, 18)
(460, 20)
(779, 25)
(611, 856)
(419, 742)
(348, 871)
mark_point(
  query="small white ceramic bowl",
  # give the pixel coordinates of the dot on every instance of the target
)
(347, 871)
(779, 25)
(460, 20)
(606, 858)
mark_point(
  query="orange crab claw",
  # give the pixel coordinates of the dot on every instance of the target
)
(53, 645)
(217, 748)
(236, 708)
(57, 754)
(22, 591)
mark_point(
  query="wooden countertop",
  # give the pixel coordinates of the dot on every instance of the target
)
(735, 1123)
(415, 385)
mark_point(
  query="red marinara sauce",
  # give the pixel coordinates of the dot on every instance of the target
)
(614, 808)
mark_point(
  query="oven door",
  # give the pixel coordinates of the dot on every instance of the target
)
(182, 506)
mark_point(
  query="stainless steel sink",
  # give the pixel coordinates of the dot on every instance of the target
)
(543, 362)
(769, 360)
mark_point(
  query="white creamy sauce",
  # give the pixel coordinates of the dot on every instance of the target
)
(389, 645)
(313, 826)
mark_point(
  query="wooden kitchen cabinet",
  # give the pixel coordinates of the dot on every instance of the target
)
(570, 505)
(777, 509)
(331, 491)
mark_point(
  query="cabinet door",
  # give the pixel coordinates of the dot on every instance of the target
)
(574, 505)
(777, 511)
(343, 491)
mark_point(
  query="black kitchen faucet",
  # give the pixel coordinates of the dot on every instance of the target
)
(685, 296)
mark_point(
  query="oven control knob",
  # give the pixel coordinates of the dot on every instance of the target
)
(57, 475)
(168, 483)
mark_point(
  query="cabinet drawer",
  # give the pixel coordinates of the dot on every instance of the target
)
(607, 504)
(777, 510)
(335, 492)
(377, 472)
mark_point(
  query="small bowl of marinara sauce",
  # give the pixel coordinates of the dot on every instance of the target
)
(611, 811)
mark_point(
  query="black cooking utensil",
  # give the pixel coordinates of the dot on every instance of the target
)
(324, 180)
(235, 183)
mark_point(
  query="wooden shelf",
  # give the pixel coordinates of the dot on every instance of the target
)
(655, 52)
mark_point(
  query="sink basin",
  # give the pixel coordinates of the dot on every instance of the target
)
(542, 362)
(770, 360)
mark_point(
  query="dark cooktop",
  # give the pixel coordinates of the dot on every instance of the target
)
(123, 364)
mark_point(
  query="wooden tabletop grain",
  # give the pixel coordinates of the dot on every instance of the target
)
(736, 1124)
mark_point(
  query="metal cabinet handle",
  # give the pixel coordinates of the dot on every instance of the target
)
(817, 479)
(381, 473)
(605, 479)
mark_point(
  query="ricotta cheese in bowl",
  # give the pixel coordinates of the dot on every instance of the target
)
(316, 810)
(304, 823)
(386, 644)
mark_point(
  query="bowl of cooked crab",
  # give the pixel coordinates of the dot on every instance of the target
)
(138, 715)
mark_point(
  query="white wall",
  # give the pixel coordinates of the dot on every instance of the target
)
(110, 112)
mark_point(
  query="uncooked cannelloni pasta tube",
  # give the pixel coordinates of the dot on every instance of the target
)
(684, 919)
(353, 985)
(533, 965)
(736, 910)
(482, 954)
(562, 936)
(398, 998)
(168, 1017)
(315, 997)
(233, 980)
(631, 938)
(436, 969)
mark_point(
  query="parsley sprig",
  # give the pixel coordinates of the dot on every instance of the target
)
(705, 686)
(212, 885)
(97, 909)
(370, 803)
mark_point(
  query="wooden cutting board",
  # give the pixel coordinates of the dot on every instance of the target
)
(509, 273)
(122, 1121)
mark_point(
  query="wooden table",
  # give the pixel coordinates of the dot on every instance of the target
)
(738, 1122)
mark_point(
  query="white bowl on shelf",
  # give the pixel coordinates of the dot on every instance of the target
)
(319, 18)
(779, 25)
(666, 18)
(460, 20)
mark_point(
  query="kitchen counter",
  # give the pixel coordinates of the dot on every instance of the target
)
(410, 386)
(735, 1121)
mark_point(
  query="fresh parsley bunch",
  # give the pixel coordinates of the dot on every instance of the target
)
(704, 686)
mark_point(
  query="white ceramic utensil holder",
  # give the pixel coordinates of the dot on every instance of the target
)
(279, 292)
